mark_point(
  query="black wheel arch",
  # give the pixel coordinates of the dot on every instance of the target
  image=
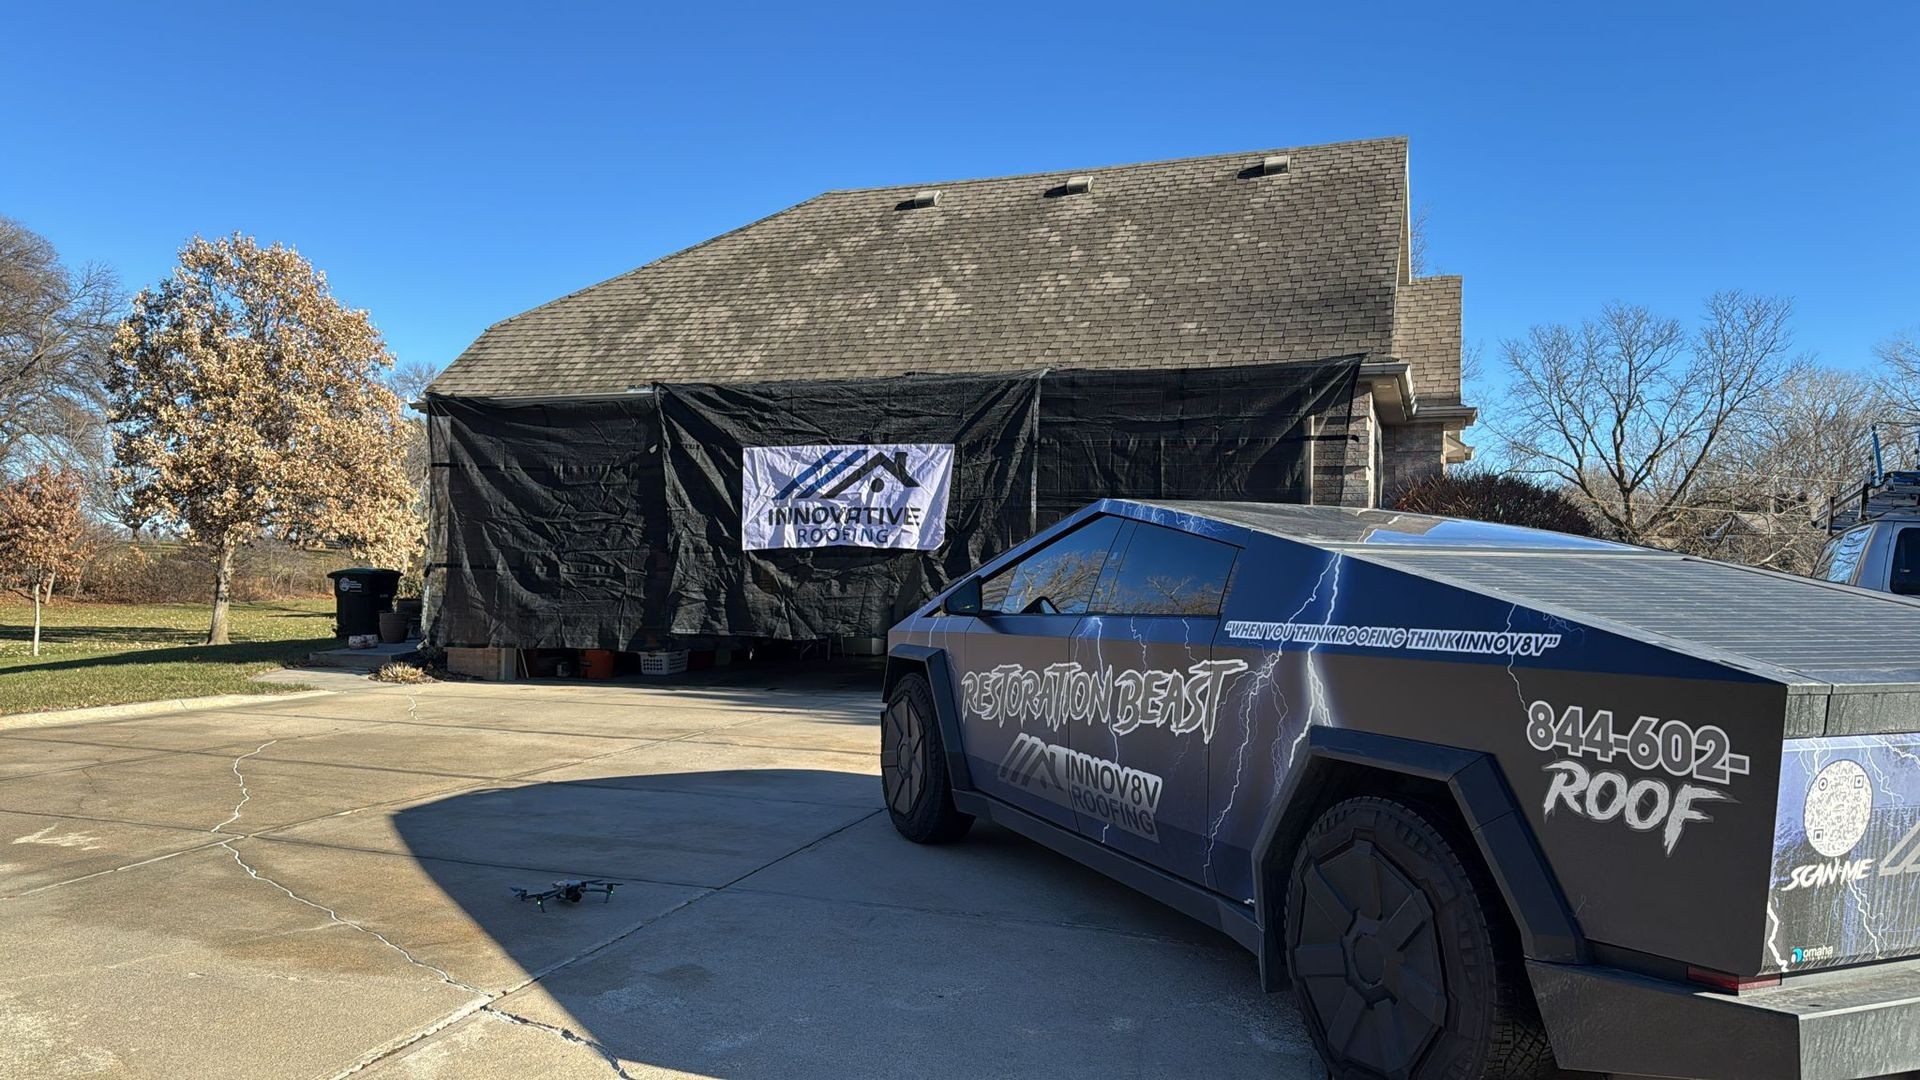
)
(1340, 762)
(931, 664)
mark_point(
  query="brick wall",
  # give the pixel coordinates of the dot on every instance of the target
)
(1344, 456)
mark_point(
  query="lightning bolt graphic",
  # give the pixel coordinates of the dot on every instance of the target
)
(1262, 678)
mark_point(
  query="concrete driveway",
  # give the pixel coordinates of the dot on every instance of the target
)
(318, 887)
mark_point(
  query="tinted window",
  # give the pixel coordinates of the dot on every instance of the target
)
(1168, 572)
(1842, 555)
(1906, 563)
(1058, 578)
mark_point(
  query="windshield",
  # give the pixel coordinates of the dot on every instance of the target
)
(1842, 555)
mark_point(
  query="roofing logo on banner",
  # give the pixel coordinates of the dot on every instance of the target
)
(890, 495)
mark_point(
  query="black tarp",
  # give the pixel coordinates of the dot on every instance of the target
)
(806, 593)
(551, 522)
(596, 523)
(1224, 433)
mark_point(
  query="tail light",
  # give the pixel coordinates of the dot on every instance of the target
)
(1720, 980)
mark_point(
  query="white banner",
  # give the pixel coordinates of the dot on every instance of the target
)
(890, 495)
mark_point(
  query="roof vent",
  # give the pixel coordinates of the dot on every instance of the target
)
(1077, 185)
(921, 200)
(1274, 165)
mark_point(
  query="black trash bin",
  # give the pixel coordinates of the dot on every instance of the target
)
(359, 596)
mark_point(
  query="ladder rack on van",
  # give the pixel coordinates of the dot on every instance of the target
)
(1885, 491)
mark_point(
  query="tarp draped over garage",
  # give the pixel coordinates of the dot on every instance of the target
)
(599, 522)
(804, 593)
(547, 518)
(1193, 433)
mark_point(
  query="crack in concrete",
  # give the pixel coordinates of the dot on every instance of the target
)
(612, 1060)
(567, 1035)
(415, 797)
(246, 796)
(483, 1001)
(485, 997)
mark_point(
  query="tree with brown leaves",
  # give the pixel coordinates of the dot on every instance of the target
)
(248, 402)
(43, 533)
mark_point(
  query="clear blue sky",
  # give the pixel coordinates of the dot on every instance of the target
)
(450, 167)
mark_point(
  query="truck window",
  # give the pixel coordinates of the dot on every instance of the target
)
(1056, 579)
(1906, 563)
(1842, 555)
(1167, 572)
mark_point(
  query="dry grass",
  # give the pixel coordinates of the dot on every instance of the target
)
(402, 673)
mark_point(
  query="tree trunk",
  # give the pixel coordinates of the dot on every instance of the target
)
(222, 592)
(36, 617)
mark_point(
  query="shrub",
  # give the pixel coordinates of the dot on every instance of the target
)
(151, 572)
(1507, 500)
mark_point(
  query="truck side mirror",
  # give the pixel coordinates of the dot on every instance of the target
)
(964, 599)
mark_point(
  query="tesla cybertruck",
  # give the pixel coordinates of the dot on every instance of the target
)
(1492, 801)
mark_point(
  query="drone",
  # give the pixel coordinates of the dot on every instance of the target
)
(572, 890)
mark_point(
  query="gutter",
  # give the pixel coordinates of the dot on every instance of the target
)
(540, 399)
(1392, 384)
(1464, 415)
(1396, 403)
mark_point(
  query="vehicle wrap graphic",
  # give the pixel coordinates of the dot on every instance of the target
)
(1644, 770)
(1329, 652)
(1846, 852)
(1107, 791)
(1181, 699)
(1645, 803)
(1423, 639)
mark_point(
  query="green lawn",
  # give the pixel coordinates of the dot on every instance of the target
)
(111, 654)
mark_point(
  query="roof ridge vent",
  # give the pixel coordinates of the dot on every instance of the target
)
(1073, 185)
(921, 200)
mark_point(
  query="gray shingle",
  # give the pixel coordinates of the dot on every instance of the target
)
(1180, 263)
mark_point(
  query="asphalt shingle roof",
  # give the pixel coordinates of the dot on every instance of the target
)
(1202, 261)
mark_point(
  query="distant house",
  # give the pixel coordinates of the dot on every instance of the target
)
(1160, 315)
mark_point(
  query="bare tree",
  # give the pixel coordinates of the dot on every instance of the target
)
(1627, 409)
(1765, 495)
(410, 379)
(1900, 383)
(1473, 368)
(1420, 256)
(56, 325)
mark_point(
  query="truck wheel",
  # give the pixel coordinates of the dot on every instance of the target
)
(1399, 955)
(913, 767)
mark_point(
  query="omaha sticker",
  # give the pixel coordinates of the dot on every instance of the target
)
(890, 495)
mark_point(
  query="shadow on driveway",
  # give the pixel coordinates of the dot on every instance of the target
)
(802, 937)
